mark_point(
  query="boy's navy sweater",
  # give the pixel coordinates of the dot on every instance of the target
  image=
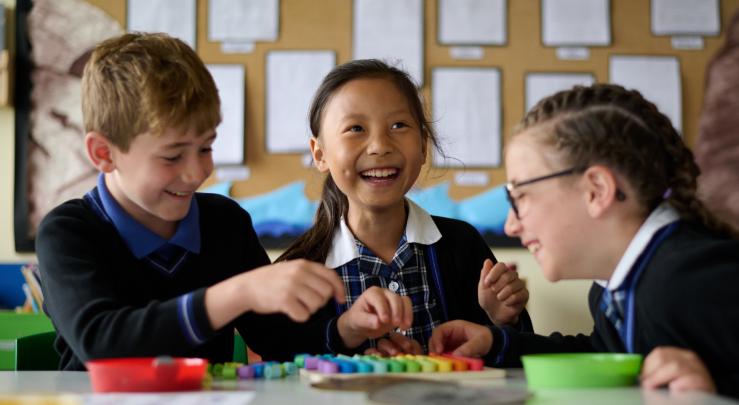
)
(104, 302)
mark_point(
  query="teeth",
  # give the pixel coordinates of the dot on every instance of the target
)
(379, 172)
(533, 247)
(179, 194)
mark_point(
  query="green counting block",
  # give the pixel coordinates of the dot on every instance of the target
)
(217, 370)
(300, 360)
(396, 366)
(273, 371)
(229, 372)
(426, 366)
(411, 366)
(289, 368)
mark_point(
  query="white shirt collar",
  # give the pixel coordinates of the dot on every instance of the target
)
(419, 228)
(661, 216)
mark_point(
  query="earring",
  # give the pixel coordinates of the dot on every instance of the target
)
(620, 196)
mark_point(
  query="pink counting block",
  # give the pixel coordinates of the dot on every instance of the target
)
(327, 367)
(246, 372)
(311, 362)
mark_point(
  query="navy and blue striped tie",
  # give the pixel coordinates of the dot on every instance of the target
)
(613, 306)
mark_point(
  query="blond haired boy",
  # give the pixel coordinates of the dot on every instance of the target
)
(144, 265)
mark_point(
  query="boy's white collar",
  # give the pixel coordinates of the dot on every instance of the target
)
(661, 216)
(419, 228)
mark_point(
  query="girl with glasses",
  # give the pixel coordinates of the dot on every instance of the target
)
(602, 187)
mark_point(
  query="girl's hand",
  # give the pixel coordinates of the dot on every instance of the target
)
(297, 288)
(679, 369)
(376, 312)
(395, 344)
(501, 293)
(462, 338)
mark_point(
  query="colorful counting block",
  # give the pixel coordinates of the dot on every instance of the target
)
(268, 370)
(395, 366)
(327, 367)
(472, 364)
(345, 366)
(457, 365)
(427, 366)
(442, 365)
(378, 366)
(361, 366)
(229, 372)
(217, 370)
(245, 372)
(365, 364)
(311, 362)
(273, 370)
(411, 366)
(300, 360)
(258, 370)
(289, 368)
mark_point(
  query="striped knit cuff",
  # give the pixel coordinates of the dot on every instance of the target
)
(501, 343)
(187, 318)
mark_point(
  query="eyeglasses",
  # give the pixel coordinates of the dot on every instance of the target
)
(512, 185)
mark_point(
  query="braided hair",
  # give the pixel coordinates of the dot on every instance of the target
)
(610, 125)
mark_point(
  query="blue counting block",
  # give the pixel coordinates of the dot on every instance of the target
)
(362, 366)
(345, 366)
(258, 370)
(378, 366)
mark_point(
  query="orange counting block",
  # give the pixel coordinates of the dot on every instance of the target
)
(472, 363)
(458, 365)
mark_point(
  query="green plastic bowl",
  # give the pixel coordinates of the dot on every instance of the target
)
(581, 370)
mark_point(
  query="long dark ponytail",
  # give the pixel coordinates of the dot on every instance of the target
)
(316, 242)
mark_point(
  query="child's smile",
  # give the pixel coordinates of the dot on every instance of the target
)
(371, 144)
(156, 179)
(380, 176)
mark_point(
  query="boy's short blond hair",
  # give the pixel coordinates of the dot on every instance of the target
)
(141, 82)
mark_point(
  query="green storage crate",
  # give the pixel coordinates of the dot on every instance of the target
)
(13, 326)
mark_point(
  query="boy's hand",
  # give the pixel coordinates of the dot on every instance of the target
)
(679, 369)
(376, 312)
(462, 338)
(297, 288)
(501, 293)
(394, 344)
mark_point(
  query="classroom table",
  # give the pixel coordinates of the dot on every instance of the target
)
(293, 391)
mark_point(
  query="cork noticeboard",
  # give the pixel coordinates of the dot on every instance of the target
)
(327, 25)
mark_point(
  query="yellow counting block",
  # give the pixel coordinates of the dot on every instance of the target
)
(442, 365)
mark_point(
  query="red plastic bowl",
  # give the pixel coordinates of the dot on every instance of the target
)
(147, 374)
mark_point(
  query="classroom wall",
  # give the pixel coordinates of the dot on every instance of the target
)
(327, 25)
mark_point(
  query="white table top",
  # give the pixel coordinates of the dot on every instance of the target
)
(293, 391)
